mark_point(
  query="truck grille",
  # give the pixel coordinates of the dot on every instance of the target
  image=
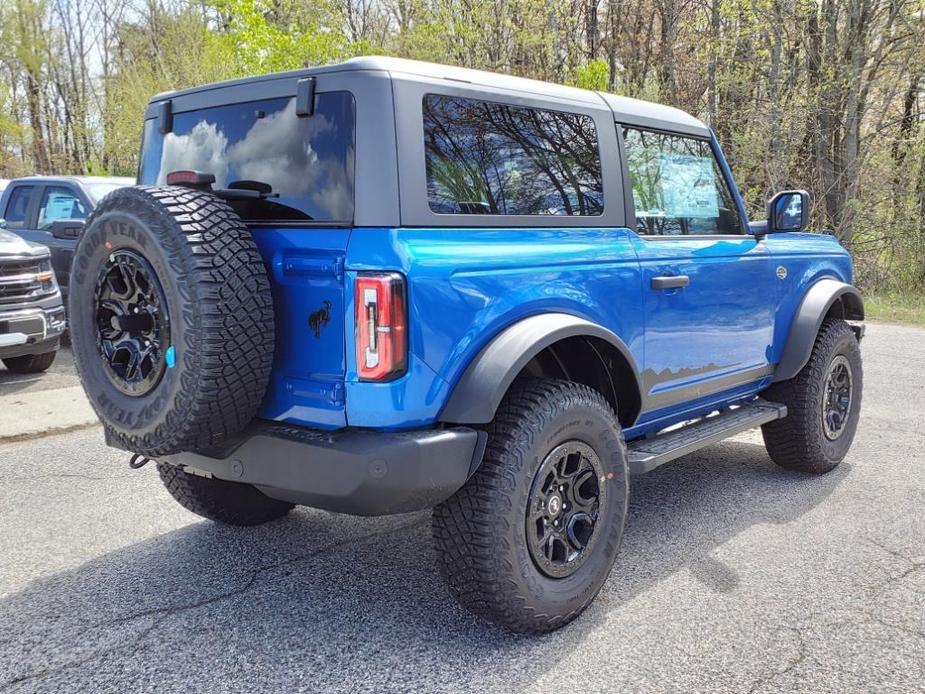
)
(19, 281)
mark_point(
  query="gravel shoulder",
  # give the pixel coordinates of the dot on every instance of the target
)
(734, 576)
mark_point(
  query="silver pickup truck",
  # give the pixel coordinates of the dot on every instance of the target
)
(31, 313)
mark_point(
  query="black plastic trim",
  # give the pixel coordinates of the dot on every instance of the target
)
(647, 454)
(479, 390)
(165, 117)
(820, 297)
(357, 471)
(305, 96)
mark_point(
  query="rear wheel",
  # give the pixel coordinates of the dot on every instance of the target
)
(530, 539)
(823, 404)
(231, 503)
(30, 363)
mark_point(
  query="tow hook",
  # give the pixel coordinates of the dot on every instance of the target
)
(138, 461)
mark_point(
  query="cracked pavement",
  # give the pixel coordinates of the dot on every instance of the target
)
(734, 576)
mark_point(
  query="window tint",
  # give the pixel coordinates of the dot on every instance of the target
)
(60, 203)
(307, 161)
(490, 158)
(17, 206)
(678, 187)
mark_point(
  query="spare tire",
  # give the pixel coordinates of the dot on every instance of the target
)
(171, 319)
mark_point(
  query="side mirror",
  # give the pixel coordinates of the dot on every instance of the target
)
(788, 211)
(2, 224)
(67, 228)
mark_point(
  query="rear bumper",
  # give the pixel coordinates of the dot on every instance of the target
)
(366, 473)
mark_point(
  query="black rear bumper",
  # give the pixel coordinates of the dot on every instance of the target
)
(366, 473)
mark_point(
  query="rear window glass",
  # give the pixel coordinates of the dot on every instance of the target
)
(307, 161)
(490, 158)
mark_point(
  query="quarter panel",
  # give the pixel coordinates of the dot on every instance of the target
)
(466, 285)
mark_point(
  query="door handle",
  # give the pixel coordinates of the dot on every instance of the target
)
(670, 282)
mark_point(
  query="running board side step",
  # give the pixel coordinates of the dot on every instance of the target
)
(648, 453)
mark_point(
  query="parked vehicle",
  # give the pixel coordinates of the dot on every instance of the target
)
(385, 286)
(51, 210)
(31, 312)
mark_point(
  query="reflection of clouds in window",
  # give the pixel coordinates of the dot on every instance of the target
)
(203, 149)
(277, 150)
(336, 195)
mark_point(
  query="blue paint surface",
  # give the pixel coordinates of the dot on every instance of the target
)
(719, 338)
(466, 285)
(170, 357)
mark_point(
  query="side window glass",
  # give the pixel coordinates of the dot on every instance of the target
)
(492, 158)
(678, 187)
(59, 203)
(17, 206)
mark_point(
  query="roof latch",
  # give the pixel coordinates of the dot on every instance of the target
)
(305, 97)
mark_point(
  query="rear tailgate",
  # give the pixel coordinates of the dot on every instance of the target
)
(307, 269)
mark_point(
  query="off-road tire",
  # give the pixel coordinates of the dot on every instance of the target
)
(479, 533)
(30, 363)
(798, 441)
(225, 502)
(220, 306)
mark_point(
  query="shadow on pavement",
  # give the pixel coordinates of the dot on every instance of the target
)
(330, 603)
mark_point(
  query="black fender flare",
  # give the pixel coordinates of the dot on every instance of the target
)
(817, 302)
(478, 392)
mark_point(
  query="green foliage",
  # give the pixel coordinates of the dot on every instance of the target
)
(260, 37)
(802, 94)
(595, 74)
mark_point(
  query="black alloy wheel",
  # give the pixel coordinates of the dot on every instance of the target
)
(133, 323)
(563, 507)
(837, 397)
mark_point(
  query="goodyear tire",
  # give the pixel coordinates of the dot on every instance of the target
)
(823, 404)
(171, 319)
(529, 540)
(221, 501)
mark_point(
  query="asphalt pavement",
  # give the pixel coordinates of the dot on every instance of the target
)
(734, 576)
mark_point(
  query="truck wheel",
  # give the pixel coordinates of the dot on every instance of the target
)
(30, 363)
(171, 319)
(823, 404)
(529, 540)
(231, 503)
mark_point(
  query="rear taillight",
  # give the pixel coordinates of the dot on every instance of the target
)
(381, 326)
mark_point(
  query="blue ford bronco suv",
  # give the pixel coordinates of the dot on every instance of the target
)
(384, 286)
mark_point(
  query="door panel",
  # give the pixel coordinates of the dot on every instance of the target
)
(714, 333)
(708, 287)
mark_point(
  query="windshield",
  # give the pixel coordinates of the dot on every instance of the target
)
(307, 162)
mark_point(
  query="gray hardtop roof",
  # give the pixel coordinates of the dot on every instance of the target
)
(117, 180)
(625, 109)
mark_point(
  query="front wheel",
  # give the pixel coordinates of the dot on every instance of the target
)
(530, 539)
(823, 404)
